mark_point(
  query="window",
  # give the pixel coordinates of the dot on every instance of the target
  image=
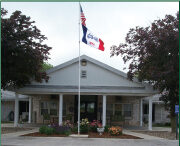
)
(82, 107)
(49, 107)
(127, 108)
(53, 108)
(120, 109)
(44, 107)
(83, 74)
(90, 107)
(109, 109)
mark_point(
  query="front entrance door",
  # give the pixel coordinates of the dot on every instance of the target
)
(88, 107)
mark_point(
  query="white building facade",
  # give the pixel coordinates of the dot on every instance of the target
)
(106, 95)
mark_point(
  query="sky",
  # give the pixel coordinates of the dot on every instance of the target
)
(110, 21)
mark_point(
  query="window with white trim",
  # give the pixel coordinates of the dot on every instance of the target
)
(123, 109)
(48, 107)
(118, 109)
(109, 109)
(127, 108)
(44, 107)
(53, 108)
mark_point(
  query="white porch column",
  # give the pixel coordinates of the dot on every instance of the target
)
(16, 112)
(104, 111)
(150, 114)
(141, 112)
(30, 111)
(60, 108)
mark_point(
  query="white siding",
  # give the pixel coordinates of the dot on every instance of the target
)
(96, 76)
(6, 108)
(161, 114)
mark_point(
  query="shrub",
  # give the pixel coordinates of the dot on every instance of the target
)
(61, 129)
(106, 128)
(74, 129)
(68, 132)
(49, 131)
(46, 130)
(83, 129)
(42, 129)
(115, 131)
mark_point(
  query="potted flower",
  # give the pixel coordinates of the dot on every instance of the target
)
(93, 126)
(100, 129)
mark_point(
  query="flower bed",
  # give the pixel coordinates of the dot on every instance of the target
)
(85, 128)
(90, 135)
(38, 134)
(108, 135)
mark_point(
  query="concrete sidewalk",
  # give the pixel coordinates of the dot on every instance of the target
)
(161, 128)
(7, 125)
(67, 141)
(16, 134)
(15, 139)
(144, 136)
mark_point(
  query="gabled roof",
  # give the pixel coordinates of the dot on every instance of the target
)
(87, 58)
(140, 89)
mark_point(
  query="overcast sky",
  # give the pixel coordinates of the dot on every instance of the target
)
(110, 21)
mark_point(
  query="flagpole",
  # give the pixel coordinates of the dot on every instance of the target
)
(79, 77)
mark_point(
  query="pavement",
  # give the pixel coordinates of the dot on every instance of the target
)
(7, 125)
(161, 129)
(63, 141)
(15, 139)
(144, 136)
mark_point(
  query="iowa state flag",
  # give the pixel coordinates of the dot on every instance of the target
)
(88, 37)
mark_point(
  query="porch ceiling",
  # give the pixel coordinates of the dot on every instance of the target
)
(93, 90)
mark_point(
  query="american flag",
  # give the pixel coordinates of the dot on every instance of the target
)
(83, 19)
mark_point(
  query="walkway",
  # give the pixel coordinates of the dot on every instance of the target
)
(61, 141)
(15, 139)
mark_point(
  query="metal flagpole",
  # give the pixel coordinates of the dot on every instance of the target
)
(79, 76)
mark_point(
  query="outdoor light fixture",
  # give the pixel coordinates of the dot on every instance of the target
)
(83, 62)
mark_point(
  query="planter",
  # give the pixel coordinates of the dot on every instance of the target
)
(100, 130)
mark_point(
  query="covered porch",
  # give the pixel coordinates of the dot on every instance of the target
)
(108, 109)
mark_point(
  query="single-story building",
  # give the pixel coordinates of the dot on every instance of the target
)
(105, 93)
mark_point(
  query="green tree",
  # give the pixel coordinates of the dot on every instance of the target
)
(153, 53)
(46, 66)
(23, 52)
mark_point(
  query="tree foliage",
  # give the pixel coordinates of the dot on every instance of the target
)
(23, 52)
(46, 66)
(153, 53)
